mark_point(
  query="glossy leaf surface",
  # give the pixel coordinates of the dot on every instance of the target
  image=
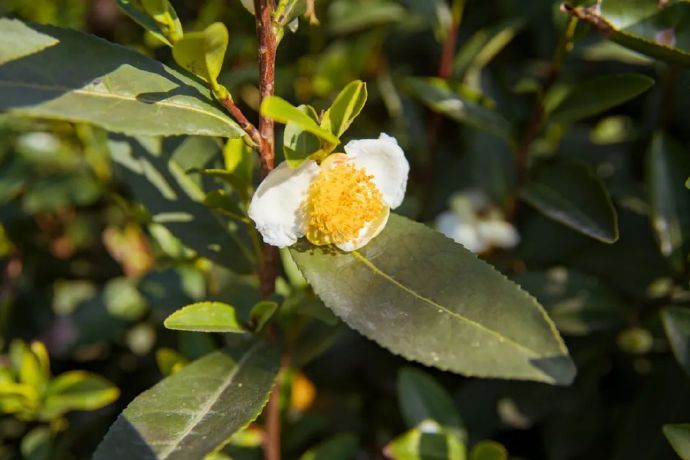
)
(190, 413)
(85, 78)
(422, 296)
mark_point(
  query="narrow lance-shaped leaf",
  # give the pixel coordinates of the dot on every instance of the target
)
(421, 397)
(679, 437)
(156, 16)
(572, 194)
(677, 325)
(202, 53)
(428, 440)
(426, 298)
(345, 108)
(85, 78)
(205, 317)
(299, 143)
(282, 111)
(597, 95)
(654, 28)
(192, 412)
(439, 97)
(668, 166)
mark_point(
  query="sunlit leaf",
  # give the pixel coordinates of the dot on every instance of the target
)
(282, 111)
(77, 390)
(84, 78)
(424, 297)
(261, 314)
(426, 441)
(679, 437)
(299, 143)
(195, 410)
(205, 317)
(345, 108)
(202, 53)
(488, 450)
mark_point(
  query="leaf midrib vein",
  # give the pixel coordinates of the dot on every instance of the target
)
(207, 406)
(390, 279)
(118, 97)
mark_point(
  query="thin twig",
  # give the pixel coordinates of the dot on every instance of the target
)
(536, 121)
(268, 271)
(239, 117)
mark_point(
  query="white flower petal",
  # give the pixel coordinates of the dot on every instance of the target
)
(498, 233)
(276, 207)
(367, 233)
(461, 231)
(385, 160)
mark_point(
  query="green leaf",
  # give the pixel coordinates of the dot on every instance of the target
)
(165, 16)
(238, 159)
(597, 95)
(84, 78)
(427, 441)
(283, 112)
(677, 325)
(488, 450)
(205, 317)
(169, 361)
(37, 444)
(347, 17)
(339, 447)
(422, 296)
(483, 46)
(298, 143)
(154, 169)
(420, 397)
(261, 313)
(656, 29)
(202, 53)
(158, 17)
(345, 108)
(15, 46)
(221, 201)
(77, 390)
(439, 97)
(579, 304)
(679, 437)
(570, 193)
(192, 412)
(668, 164)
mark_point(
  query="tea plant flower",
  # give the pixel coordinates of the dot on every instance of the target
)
(473, 222)
(345, 200)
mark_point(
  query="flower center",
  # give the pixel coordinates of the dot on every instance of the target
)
(341, 200)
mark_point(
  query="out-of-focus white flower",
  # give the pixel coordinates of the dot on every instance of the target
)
(344, 201)
(473, 222)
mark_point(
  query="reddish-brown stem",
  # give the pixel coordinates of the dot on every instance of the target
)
(267, 70)
(239, 117)
(269, 267)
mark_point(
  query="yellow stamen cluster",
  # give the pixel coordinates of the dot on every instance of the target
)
(340, 202)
